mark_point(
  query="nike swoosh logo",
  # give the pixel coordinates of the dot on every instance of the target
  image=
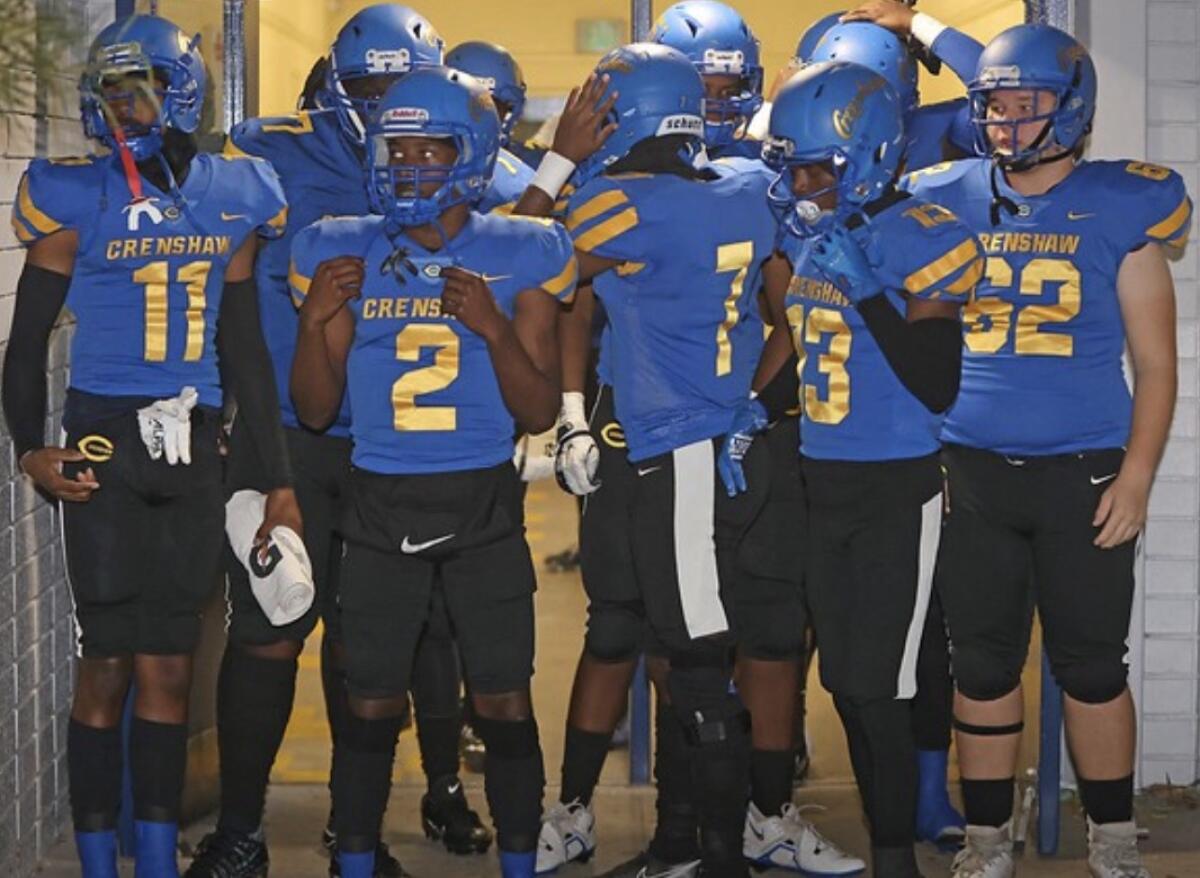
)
(232, 217)
(648, 470)
(492, 278)
(1072, 215)
(454, 789)
(409, 548)
(1103, 479)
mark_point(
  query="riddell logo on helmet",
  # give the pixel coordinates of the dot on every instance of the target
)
(846, 118)
(725, 61)
(1008, 76)
(388, 60)
(405, 115)
(681, 124)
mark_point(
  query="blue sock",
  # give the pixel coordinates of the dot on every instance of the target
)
(936, 817)
(97, 853)
(357, 865)
(154, 849)
(514, 865)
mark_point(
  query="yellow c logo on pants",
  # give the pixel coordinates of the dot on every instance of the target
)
(95, 448)
(613, 435)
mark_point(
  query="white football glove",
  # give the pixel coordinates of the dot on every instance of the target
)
(577, 457)
(166, 427)
(533, 456)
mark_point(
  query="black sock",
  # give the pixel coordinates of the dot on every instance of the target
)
(1107, 801)
(94, 772)
(583, 760)
(157, 761)
(676, 838)
(438, 738)
(333, 684)
(254, 701)
(987, 802)
(514, 781)
(362, 780)
(771, 780)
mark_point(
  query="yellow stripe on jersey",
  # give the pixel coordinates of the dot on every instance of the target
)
(942, 267)
(967, 280)
(506, 164)
(29, 212)
(279, 221)
(625, 269)
(233, 151)
(1170, 227)
(504, 209)
(562, 285)
(301, 123)
(1181, 240)
(299, 284)
(607, 230)
(592, 208)
(22, 231)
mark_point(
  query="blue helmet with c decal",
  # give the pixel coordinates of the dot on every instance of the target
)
(497, 69)
(149, 49)
(386, 40)
(717, 40)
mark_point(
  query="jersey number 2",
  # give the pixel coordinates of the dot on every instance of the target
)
(410, 341)
(155, 279)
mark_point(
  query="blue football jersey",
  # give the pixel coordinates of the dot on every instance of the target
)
(854, 406)
(684, 332)
(322, 175)
(149, 274)
(1042, 370)
(510, 177)
(423, 394)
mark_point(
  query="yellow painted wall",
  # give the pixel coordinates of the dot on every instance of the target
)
(541, 34)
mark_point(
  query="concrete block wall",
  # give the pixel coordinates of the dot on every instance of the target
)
(1170, 609)
(37, 638)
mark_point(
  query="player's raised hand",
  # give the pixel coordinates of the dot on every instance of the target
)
(892, 14)
(467, 298)
(336, 282)
(45, 467)
(582, 128)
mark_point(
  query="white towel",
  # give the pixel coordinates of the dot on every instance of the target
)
(283, 585)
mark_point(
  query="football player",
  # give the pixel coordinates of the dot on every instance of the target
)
(318, 155)
(438, 325)
(152, 246)
(873, 313)
(674, 367)
(497, 69)
(1050, 460)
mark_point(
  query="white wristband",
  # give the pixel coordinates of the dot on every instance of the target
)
(572, 408)
(553, 173)
(926, 29)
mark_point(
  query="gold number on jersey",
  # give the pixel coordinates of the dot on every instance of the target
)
(930, 215)
(410, 341)
(155, 278)
(988, 319)
(736, 258)
(807, 333)
(1157, 173)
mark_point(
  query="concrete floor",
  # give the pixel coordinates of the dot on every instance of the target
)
(299, 802)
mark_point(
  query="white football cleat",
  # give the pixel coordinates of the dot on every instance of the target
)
(568, 835)
(1113, 852)
(987, 853)
(788, 841)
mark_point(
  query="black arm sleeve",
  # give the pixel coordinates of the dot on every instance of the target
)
(246, 362)
(40, 297)
(926, 355)
(782, 392)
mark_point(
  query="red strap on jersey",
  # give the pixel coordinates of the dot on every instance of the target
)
(132, 177)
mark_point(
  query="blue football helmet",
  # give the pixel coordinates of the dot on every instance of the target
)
(659, 94)
(812, 36)
(436, 102)
(876, 48)
(718, 42)
(496, 68)
(387, 39)
(168, 60)
(836, 112)
(1038, 58)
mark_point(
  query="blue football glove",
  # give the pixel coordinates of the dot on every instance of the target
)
(844, 264)
(749, 420)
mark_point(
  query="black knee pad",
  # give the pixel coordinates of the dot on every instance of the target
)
(511, 740)
(1091, 680)
(372, 735)
(983, 675)
(615, 631)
